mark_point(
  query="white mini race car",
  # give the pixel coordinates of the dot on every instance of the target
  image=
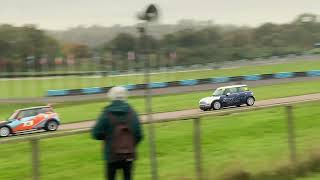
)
(235, 95)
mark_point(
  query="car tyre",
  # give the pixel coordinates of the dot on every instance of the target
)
(5, 131)
(250, 101)
(216, 105)
(51, 125)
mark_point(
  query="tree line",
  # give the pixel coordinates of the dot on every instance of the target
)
(21, 47)
(217, 43)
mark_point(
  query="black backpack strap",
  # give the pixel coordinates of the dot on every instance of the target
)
(112, 118)
(129, 116)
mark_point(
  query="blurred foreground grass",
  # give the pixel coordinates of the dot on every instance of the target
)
(255, 141)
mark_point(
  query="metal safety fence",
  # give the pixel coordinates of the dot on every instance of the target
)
(68, 81)
(197, 138)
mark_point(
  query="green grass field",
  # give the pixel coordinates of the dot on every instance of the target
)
(255, 141)
(39, 87)
(311, 177)
(79, 111)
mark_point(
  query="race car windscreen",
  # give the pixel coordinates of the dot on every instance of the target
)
(218, 92)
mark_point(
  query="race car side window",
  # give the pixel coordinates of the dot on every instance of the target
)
(49, 110)
(217, 92)
(226, 91)
(233, 90)
(21, 115)
(242, 89)
(33, 112)
(27, 113)
(245, 88)
(44, 110)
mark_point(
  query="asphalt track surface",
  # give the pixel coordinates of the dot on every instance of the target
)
(158, 117)
(159, 91)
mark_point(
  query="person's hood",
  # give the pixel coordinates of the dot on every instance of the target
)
(118, 107)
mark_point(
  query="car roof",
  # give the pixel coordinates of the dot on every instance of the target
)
(37, 107)
(233, 86)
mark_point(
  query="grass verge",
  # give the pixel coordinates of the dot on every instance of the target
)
(256, 141)
(80, 111)
(26, 88)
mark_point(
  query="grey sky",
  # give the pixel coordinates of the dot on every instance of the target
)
(61, 14)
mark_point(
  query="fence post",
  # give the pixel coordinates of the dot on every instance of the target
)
(291, 135)
(197, 147)
(35, 159)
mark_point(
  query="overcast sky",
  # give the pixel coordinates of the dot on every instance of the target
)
(62, 14)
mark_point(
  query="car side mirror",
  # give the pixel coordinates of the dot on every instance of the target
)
(228, 94)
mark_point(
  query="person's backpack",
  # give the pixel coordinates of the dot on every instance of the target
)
(123, 140)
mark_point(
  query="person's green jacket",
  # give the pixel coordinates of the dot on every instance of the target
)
(104, 128)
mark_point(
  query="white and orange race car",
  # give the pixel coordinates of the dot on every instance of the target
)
(30, 119)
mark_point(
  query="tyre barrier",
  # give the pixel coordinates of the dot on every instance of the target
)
(282, 75)
(188, 82)
(313, 73)
(93, 90)
(130, 86)
(61, 92)
(158, 85)
(255, 77)
(220, 79)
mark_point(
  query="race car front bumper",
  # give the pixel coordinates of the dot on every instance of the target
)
(204, 106)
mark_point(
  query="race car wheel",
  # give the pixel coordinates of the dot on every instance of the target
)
(250, 101)
(51, 125)
(4, 131)
(216, 105)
